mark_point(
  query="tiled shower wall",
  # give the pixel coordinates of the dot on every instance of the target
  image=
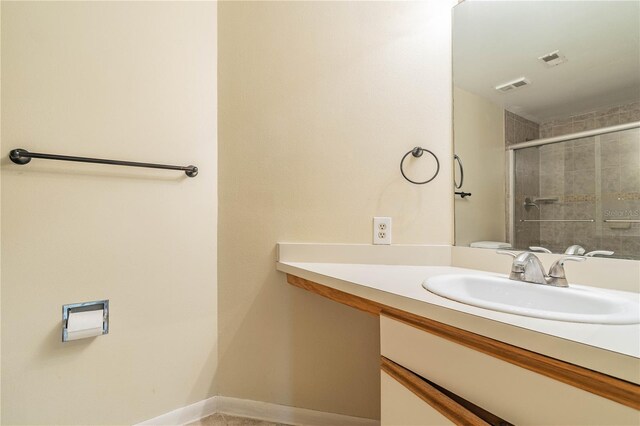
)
(519, 129)
(604, 117)
(527, 186)
(620, 192)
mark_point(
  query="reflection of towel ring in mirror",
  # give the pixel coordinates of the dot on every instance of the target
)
(458, 186)
(417, 152)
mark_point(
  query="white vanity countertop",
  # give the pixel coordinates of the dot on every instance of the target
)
(611, 349)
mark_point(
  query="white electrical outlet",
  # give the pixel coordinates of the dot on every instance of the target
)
(381, 230)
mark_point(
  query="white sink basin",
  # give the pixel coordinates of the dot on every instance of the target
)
(574, 304)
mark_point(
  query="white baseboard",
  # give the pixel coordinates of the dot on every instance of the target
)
(256, 410)
(184, 415)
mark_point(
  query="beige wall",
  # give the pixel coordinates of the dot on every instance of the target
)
(478, 126)
(318, 103)
(0, 218)
(128, 80)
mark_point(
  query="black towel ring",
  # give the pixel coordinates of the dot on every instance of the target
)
(458, 186)
(417, 152)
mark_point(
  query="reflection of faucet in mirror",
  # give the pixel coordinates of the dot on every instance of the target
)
(599, 253)
(527, 267)
(575, 250)
(539, 249)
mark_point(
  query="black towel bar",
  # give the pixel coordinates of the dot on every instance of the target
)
(22, 156)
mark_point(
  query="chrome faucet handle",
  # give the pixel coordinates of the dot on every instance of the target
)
(506, 252)
(557, 276)
(599, 252)
(540, 249)
(517, 265)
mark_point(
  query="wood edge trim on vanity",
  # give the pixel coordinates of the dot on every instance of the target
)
(609, 387)
(606, 386)
(357, 302)
(446, 406)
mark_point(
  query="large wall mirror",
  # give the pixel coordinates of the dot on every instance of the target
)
(547, 126)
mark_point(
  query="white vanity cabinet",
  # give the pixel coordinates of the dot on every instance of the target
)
(515, 394)
(435, 372)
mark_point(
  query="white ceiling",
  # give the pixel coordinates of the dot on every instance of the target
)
(495, 42)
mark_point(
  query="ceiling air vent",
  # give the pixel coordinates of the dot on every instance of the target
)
(512, 85)
(552, 59)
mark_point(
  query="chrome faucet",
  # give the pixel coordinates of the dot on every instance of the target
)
(527, 267)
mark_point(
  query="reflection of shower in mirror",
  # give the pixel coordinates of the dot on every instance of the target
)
(554, 163)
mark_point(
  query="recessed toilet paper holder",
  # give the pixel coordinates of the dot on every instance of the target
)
(89, 319)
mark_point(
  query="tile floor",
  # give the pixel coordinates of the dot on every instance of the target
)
(227, 420)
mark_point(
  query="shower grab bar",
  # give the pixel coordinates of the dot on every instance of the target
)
(22, 156)
(557, 220)
(622, 220)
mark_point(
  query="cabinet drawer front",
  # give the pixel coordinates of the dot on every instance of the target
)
(400, 406)
(509, 391)
(436, 398)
